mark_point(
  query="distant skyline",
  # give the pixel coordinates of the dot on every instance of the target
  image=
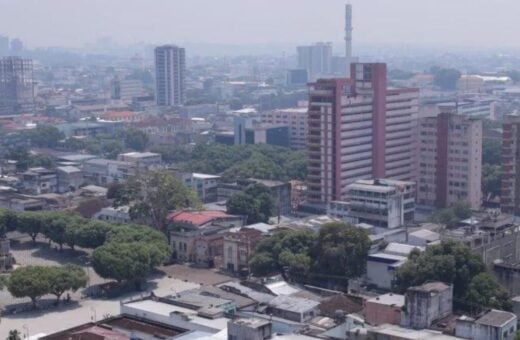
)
(74, 23)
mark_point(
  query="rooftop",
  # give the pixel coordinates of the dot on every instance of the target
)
(140, 154)
(401, 249)
(397, 332)
(197, 217)
(293, 304)
(496, 318)
(204, 176)
(389, 299)
(431, 287)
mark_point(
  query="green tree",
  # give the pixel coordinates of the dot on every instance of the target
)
(256, 202)
(127, 261)
(342, 250)
(446, 78)
(29, 223)
(62, 279)
(453, 263)
(154, 195)
(30, 281)
(14, 335)
(491, 152)
(263, 264)
(44, 136)
(485, 292)
(136, 139)
(491, 179)
(92, 234)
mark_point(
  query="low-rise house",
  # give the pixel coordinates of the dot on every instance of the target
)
(395, 332)
(423, 238)
(382, 266)
(198, 236)
(491, 325)
(204, 185)
(293, 308)
(384, 309)
(427, 304)
(105, 171)
(119, 215)
(38, 181)
(70, 178)
(142, 160)
(239, 247)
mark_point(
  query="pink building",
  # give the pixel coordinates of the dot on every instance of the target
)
(450, 160)
(295, 118)
(510, 193)
(359, 129)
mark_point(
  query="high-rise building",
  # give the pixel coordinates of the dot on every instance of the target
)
(16, 47)
(510, 187)
(170, 70)
(16, 85)
(450, 157)
(126, 89)
(348, 37)
(358, 129)
(4, 46)
(316, 59)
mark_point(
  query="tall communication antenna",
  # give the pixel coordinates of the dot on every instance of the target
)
(348, 37)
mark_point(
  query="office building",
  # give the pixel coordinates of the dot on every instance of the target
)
(379, 202)
(16, 86)
(450, 160)
(510, 191)
(297, 77)
(170, 73)
(250, 131)
(358, 129)
(316, 59)
(295, 118)
(126, 89)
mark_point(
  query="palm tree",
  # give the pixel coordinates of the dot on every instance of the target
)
(14, 335)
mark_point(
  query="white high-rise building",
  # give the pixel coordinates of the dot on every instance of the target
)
(316, 59)
(348, 37)
(170, 70)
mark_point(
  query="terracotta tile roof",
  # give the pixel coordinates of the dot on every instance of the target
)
(198, 218)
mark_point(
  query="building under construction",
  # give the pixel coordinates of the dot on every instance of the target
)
(16, 86)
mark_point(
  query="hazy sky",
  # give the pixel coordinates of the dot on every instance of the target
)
(478, 23)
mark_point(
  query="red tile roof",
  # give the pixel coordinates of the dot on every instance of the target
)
(197, 217)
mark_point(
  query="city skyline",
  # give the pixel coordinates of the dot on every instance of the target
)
(79, 22)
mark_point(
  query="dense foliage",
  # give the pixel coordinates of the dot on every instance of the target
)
(473, 287)
(255, 202)
(110, 241)
(36, 281)
(153, 196)
(451, 216)
(445, 78)
(239, 161)
(338, 252)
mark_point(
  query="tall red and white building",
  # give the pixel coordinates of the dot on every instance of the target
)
(358, 128)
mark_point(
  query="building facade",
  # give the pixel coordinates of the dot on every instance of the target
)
(359, 129)
(510, 191)
(450, 160)
(295, 119)
(316, 59)
(379, 202)
(16, 86)
(170, 73)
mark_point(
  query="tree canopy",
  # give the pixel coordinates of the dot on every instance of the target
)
(154, 195)
(454, 263)
(239, 161)
(445, 78)
(338, 252)
(255, 202)
(451, 216)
